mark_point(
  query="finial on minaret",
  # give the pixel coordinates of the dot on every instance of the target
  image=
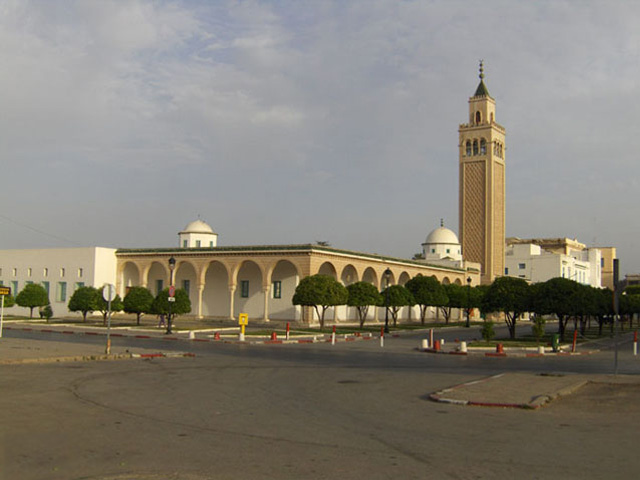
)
(442, 222)
(481, 69)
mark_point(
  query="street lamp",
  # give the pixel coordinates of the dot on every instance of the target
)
(387, 277)
(171, 299)
(468, 300)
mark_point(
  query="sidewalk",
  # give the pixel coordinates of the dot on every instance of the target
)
(522, 390)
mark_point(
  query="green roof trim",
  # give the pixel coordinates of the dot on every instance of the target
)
(277, 249)
(482, 91)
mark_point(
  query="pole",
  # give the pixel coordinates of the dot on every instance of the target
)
(1, 315)
(333, 336)
(575, 339)
(108, 349)
(382, 337)
(616, 309)
(635, 343)
(287, 337)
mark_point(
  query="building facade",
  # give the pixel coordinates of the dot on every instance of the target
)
(482, 185)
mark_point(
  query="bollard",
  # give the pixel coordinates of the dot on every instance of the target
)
(425, 344)
(274, 336)
(541, 349)
(463, 347)
(382, 336)
(241, 337)
(575, 339)
(442, 342)
(499, 348)
(333, 336)
(635, 342)
(192, 335)
(436, 346)
(287, 335)
(431, 336)
(216, 336)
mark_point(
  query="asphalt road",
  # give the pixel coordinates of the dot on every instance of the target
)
(305, 411)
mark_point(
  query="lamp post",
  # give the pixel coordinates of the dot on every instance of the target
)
(387, 276)
(468, 300)
(172, 298)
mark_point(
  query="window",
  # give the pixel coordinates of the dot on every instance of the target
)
(277, 289)
(45, 272)
(475, 147)
(159, 286)
(184, 244)
(29, 272)
(62, 272)
(61, 292)
(15, 272)
(244, 288)
(602, 263)
(433, 250)
(80, 272)
(478, 117)
(522, 266)
(483, 147)
(14, 288)
(211, 244)
(198, 243)
(46, 287)
(79, 285)
(185, 285)
(468, 148)
(28, 282)
(448, 250)
(506, 270)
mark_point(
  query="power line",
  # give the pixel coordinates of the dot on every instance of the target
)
(33, 229)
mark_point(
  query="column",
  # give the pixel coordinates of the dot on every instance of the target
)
(200, 292)
(232, 291)
(266, 289)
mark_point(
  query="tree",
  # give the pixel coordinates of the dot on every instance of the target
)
(560, 297)
(458, 296)
(182, 304)
(32, 296)
(138, 300)
(85, 300)
(509, 295)
(103, 306)
(46, 312)
(362, 295)
(394, 298)
(320, 292)
(427, 292)
(9, 301)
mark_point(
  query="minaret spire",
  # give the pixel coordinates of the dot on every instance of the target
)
(481, 91)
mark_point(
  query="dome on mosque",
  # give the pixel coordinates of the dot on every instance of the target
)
(197, 226)
(442, 235)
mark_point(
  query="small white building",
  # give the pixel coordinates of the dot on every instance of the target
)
(529, 259)
(197, 234)
(442, 247)
(59, 270)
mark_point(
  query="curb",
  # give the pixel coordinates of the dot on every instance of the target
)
(92, 358)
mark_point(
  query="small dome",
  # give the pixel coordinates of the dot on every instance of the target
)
(442, 235)
(197, 226)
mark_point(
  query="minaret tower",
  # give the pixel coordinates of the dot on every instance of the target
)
(482, 185)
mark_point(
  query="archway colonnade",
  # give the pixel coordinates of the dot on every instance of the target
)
(225, 281)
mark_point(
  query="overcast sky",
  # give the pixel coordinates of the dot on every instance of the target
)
(301, 121)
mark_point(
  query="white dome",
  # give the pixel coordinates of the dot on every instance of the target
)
(197, 226)
(442, 235)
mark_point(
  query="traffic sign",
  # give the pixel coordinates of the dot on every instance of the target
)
(109, 292)
(5, 290)
(243, 319)
(172, 291)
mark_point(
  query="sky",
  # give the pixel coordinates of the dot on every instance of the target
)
(290, 122)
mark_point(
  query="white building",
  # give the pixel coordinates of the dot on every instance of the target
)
(538, 260)
(59, 270)
(442, 247)
(197, 234)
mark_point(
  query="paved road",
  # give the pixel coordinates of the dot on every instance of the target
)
(308, 411)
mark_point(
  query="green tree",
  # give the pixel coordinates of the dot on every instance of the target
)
(394, 298)
(510, 296)
(427, 292)
(138, 300)
(9, 301)
(182, 304)
(32, 296)
(85, 300)
(103, 306)
(46, 312)
(320, 292)
(458, 297)
(560, 297)
(362, 295)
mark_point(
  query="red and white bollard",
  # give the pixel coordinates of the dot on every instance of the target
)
(575, 339)
(216, 336)
(635, 342)
(499, 348)
(333, 336)
(431, 336)
(436, 346)
(382, 336)
(287, 334)
(274, 336)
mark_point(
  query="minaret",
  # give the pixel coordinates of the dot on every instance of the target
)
(482, 185)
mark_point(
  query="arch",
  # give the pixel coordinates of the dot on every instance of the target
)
(215, 296)
(370, 276)
(475, 147)
(383, 280)
(404, 278)
(157, 277)
(468, 148)
(284, 280)
(248, 297)
(185, 277)
(130, 277)
(478, 117)
(446, 281)
(327, 268)
(349, 275)
(483, 146)
(458, 282)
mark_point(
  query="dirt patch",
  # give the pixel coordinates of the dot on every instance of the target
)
(606, 398)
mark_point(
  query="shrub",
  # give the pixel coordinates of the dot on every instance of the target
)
(487, 331)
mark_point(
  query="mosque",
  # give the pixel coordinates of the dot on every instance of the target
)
(260, 280)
